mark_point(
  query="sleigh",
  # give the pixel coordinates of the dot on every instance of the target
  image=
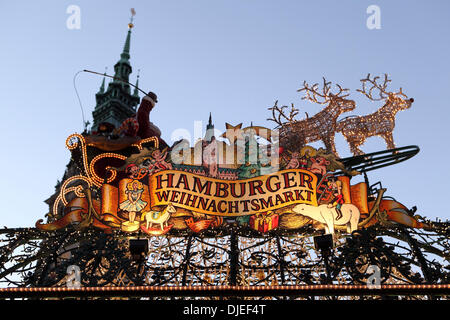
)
(374, 207)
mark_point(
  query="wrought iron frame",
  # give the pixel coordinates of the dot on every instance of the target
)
(229, 260)
(33, 258)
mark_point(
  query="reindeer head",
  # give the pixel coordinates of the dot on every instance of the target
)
(394, 101)
(336, 103)
(345, 105)
(334, 100)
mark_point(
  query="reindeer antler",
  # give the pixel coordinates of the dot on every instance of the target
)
(312, 93)
(383, 93)
(400, 93)
(375, 85)
(341, 91)
(281, 114)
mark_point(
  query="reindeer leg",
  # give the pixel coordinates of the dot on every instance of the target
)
(389, 139)
(326, 142)
(354, 147)
(348, 142)
(329, 144)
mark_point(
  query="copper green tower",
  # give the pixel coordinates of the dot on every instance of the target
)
(117, 103)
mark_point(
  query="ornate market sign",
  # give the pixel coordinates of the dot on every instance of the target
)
(138, 183)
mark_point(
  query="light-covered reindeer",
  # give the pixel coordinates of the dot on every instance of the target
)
(294, 134)
(357, 129)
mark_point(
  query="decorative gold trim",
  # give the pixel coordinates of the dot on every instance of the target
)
(64, 190)
(97, 180)
(140, 143)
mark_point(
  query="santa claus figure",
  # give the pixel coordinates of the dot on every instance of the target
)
(141, 125)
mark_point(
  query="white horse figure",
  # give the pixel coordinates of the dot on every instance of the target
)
(159, 217)
(327, 215)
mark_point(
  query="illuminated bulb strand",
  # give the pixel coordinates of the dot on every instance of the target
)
(55, 205)
(75, 140)
(65, 190)
(77, 189)
(95, 177)
(71, 145)
(140, 143)
(413, 288)
(89, 168)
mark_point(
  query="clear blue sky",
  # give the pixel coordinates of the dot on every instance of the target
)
(233, 58)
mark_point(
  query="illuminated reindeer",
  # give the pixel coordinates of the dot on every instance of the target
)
(357, 129)
(294, 134)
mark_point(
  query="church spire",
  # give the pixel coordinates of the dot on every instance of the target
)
(102, 87)
(209, 130)
(116, 102)
(210, 121)
(123, 68)
(125, 55)
(136, 91)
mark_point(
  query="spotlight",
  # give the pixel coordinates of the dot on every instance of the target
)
(323, 242)
(138, 248)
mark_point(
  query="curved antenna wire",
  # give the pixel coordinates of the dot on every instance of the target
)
(115, 78)
(78, 96)
(101, 74)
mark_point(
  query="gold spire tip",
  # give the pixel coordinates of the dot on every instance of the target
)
(133, 12)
